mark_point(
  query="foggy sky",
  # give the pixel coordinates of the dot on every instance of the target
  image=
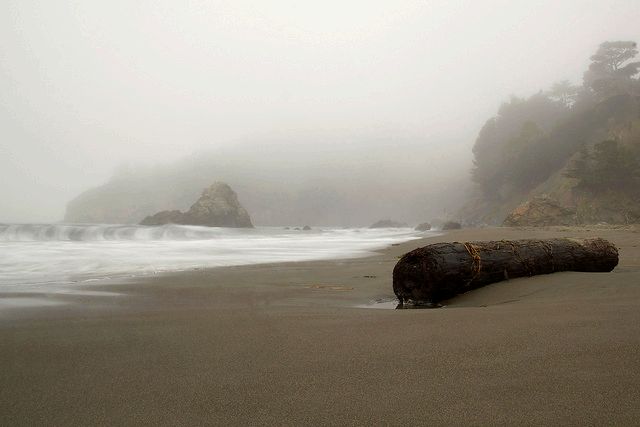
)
(88, 85)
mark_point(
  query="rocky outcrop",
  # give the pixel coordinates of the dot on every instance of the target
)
(164, 217)
(218, 206)
(425, 226)
(387, 223)
(539, 212)
(451, 225)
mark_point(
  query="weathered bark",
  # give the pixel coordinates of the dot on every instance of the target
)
(442, 270)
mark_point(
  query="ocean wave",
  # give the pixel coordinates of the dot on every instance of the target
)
(40, 256)
(102, 232)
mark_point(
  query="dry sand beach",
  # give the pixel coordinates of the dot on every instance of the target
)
(287, 344)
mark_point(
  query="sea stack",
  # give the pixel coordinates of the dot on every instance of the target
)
(218, 206)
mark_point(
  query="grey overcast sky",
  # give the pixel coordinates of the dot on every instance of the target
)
(88, 85)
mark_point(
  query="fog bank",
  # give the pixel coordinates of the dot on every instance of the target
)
(87, 86)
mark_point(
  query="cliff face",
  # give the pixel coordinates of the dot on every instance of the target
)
(541, 211)
(559, 200)
(577, 147)
(593, 178)
(218, 206)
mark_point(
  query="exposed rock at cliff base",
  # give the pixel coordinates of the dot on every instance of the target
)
(218, 206)
(539, 212)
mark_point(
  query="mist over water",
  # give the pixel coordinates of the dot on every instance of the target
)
(334, 113)
(49, 257)
(87, 86)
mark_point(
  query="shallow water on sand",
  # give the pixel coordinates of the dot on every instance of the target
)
(392, 304)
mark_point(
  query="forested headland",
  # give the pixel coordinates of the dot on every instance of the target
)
(575, 145)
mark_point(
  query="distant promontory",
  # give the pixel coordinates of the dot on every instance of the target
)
(218, 206)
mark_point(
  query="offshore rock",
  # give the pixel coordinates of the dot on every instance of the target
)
(163, 217)
(425, 226)
(218, 206)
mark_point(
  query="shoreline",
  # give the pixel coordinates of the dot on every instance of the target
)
(286, 344)
(375, 269)
(74, 258)
(83, 295)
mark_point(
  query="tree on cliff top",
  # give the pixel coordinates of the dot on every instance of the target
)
(611, 71)
(564, 92)
(530, 139)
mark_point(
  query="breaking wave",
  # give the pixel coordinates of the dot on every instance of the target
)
(39, 257)
(101, 232)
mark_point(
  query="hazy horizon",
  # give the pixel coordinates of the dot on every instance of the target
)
(88, 86)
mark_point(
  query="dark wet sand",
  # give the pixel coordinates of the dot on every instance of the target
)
(282, 344)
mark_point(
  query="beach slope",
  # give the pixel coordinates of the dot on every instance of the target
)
(289, 344)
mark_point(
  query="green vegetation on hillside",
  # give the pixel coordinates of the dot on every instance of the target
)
(609, 166)
(588, 133)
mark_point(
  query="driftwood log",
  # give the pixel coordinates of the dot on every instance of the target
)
(440, 271)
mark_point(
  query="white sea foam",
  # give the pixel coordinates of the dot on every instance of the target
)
(44, 257)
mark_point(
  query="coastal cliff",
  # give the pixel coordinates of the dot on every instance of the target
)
(569, 155)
